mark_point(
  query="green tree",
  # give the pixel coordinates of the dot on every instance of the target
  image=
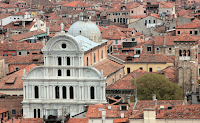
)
(152, 83)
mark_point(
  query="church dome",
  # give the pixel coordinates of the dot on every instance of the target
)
(85, 28)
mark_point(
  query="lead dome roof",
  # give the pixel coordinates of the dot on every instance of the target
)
(85, 28)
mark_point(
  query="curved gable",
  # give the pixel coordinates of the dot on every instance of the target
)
(62, 42)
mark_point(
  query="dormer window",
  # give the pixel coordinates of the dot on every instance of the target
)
(123, 8)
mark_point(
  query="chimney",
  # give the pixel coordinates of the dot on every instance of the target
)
(47, 31)
(185, 101)
(164, 43)
(154, 97)
(23, 24)
(162, 109)
(176, 23)
(192, 85)
(122, 114)
(103, 116)
(129, 102)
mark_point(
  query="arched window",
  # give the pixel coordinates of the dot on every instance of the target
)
(87, 60)
(94, 57)
(180, 52)
(57, 92)
(184, 52)
(92, 92)
(68, 60)
(71, 91)
(114, 20)
(59, 61)
(188, 52)
(64, 92)
(68, 72)
(59, 73)
(101, 54)
(36, 92)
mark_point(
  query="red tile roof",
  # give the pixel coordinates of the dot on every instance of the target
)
(189, 26)
(78, 120)
(26, 120)
(21, 46)
(145, 58)
(2, 111)
(108, 66)
(26, 35)
(121, 120)
(54, 17)
(4, 15)
(186, 37)
(166, 5)
(169, 73)
(18, 84)
(27, 26)
(181, 112)
(125, 82)
(77, 4)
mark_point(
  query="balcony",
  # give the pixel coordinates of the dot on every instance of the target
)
(184, 58)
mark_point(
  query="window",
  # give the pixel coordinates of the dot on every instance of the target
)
(149, 21)
(94, 57)
(158, 69)
(92, 92)
(180, 52)
(101, 54)
(199, 72)
(64, 45)
(87, 60)
(190, 32)
(149, 49)
(17, 68)
(170, 49)
(132, 11)
(36, 92)
(128, 70)
(59, 61)
(114, 20)
(20, 53)
(57, 92)
(68, 72)
(28, 53)
(178, 32)
(13, 111)
(38, 113)
(59, 73)
(116, 42)
(150, 69)
(157, 49)
(144, 11)
(21, 111)
(123, 107)
(68, 60)
(35, 113)
(196, 32)
(64, 92)
(141, 68)
(96, 23)
(154, 21)
(133, 39)
(71, 92)
(188, 52)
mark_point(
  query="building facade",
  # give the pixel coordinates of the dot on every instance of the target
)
(63, 81)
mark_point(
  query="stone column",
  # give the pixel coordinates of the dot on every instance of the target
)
(39, 91)
(95, 92)
(47, 91)
(67, 89)
(88, 92)
(83, 93)
(60, 92)
(53, 91)
(33, 92)
(103, 93)
(24, 91)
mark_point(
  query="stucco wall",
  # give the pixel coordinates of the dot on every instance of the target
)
(146, 66)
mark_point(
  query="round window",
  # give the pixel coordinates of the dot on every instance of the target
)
(64, 46)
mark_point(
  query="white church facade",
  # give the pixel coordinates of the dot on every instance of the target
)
(63, 81)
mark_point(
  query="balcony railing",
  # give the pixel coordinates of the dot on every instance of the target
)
(182, 58)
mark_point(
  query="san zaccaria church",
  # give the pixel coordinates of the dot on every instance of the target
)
(63, 81)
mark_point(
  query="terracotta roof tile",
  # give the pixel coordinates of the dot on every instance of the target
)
(77, 4)
(189, 26)
(54, 17)
(26, 120)
(26, 35)
(4, 15)
(186, 37)
(125, 82)
(78, 120)
(108, 66)
(18, 84)
(28, 25)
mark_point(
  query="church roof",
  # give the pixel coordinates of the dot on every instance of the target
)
(187, 37)
(86, 43)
